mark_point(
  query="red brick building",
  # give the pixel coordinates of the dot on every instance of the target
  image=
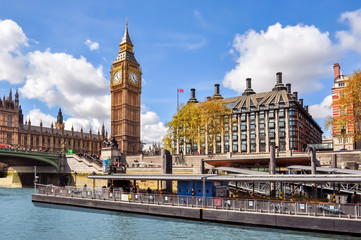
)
(339, 132)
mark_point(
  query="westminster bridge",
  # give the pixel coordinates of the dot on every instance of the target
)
(16, 158)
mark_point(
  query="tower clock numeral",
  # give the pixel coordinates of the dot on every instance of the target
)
(117, 77)
(133, 77)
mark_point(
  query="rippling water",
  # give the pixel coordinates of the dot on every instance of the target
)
(21, 219)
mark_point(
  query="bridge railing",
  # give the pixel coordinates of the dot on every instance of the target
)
(235, 204)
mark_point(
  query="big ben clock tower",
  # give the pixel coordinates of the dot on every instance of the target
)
(125, 88)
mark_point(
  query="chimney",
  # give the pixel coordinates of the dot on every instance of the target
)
(217, 95)
(336, 70)
(306, 108)
(216, 89)
(279, 85)
(279, 77)
(249, 89)
(301, 102)
(295, 95)
(288, 86)
(209, 98)
(193, 96)
(248, 82)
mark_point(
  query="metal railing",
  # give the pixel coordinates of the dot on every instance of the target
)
(352, 211)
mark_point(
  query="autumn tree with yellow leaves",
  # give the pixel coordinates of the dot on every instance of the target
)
(195, 123)
(347, 123)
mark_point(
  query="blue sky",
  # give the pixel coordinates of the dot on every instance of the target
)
(59, 53)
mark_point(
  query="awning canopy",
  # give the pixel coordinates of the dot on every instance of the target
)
(305, 178)
(258, 162)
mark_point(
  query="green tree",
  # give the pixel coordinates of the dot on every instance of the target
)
(349, 117)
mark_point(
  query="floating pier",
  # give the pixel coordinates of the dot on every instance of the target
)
(336, 218)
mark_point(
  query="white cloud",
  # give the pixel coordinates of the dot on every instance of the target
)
(74, 84)
(12, 63)
(84, 123)
(351, 39)
(323, 109)
(300, 52)
(152, 129)
(36, 116)
(92, 45)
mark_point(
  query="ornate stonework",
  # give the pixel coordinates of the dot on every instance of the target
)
(54, 139)
(125, 88)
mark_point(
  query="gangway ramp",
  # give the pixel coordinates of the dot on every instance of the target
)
(242, 171)
(326, 169)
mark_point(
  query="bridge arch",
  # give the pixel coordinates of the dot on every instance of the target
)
(52, 159)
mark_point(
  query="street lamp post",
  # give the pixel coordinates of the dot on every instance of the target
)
(35, 179)
(75, 173)
(93, 173)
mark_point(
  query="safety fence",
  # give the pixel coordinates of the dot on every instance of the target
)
(234, 204)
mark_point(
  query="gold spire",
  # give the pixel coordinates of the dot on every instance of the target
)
(126, 47)
(126, 38)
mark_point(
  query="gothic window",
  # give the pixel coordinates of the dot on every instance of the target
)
(9, 137)
(9, 122)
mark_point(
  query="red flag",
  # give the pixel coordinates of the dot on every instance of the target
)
(180, 90)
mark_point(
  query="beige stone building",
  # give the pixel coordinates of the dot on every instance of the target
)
(258, 120)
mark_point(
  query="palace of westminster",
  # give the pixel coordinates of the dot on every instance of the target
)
(256, 120)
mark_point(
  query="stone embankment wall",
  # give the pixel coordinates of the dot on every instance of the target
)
(11, 180)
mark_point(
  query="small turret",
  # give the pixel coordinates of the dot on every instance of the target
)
(21, 116)
(59, 120)
(103, 131)
(17, 98)
(10, 98)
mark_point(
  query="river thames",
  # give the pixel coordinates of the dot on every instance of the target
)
(21, 219)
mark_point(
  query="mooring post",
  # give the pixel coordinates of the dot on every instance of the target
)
(313, 170)
(272, 169)
(204, 190)
(166, 168)
(35, 179)
(313, 161)
(334, 160)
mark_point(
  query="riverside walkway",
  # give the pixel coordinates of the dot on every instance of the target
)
(340, 218)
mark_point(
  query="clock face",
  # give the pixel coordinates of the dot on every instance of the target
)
(133, 77)
(117, 77)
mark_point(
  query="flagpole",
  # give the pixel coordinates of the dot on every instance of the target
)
(177, 100)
